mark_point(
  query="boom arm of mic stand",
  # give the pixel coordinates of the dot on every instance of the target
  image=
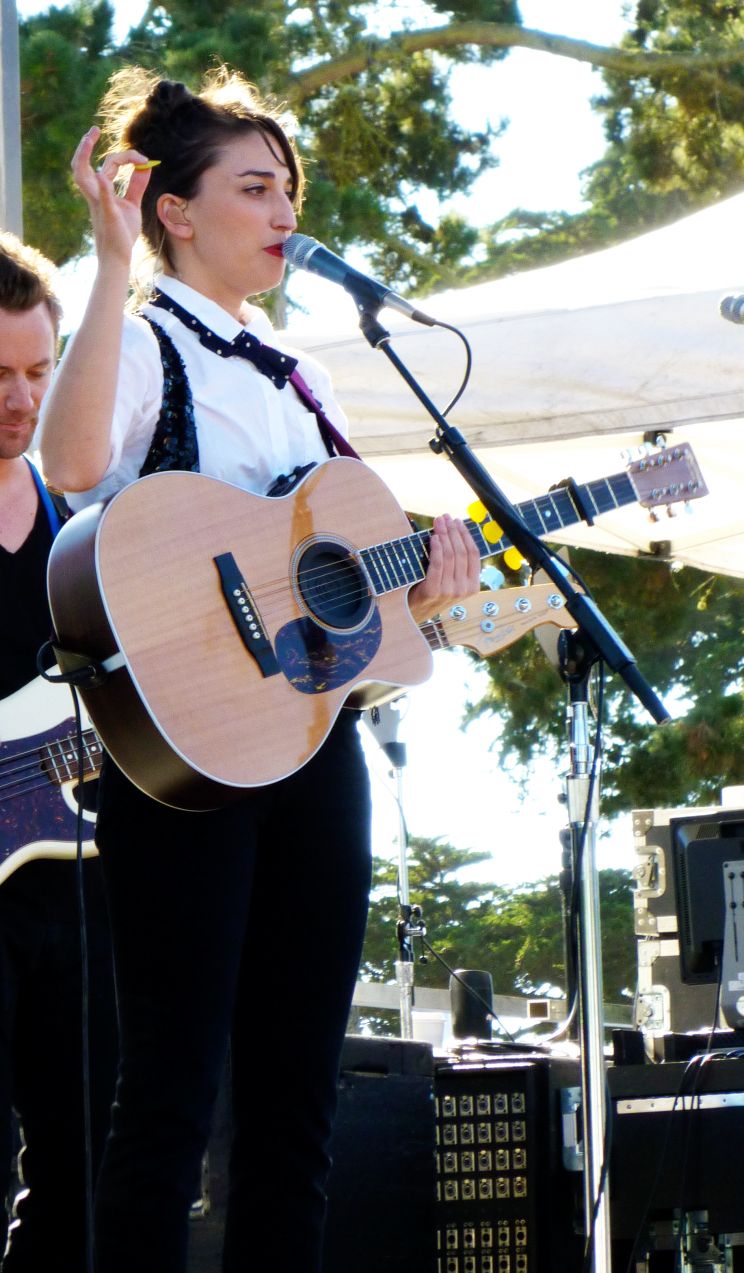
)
(583, 609)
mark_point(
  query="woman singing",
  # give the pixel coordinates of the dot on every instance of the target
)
(242, 926)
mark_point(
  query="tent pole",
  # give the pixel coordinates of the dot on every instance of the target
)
(11, 201)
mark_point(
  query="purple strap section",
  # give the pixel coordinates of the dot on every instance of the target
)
(329, 431)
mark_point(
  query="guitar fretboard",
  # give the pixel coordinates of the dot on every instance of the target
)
(433, 631)
(60, 762)
(400, 562)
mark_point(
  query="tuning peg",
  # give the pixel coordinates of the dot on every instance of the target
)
(671, 510)
(653, 515)
(491, 577)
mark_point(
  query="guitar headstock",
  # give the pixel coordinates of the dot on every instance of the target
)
(488, 621)
(667, 477)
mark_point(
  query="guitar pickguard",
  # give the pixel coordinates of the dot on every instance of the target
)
(36, 815)
(315, 660)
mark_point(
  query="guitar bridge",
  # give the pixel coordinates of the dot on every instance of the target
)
(245, 615)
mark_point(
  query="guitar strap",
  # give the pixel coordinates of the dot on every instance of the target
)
(330, 434)
(55, 515)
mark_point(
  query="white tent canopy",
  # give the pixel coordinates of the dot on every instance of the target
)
(572, 365)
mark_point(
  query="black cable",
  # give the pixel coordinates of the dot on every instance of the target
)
(84, 990)
(702, 1059)
(688, 1071)
(511, 1040)
(81, 675)
(468, 364)
(602, 1182)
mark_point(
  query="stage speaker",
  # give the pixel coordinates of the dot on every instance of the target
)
(676, 1133)
(471, 995)
(506, 1203)
(381, 1188)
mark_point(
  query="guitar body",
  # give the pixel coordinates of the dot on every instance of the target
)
(38, 813)
(174, 572)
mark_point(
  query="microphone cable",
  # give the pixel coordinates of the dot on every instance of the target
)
(69, 679)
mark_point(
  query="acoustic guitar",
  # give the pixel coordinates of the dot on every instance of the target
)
(229, 629)
(40, 765)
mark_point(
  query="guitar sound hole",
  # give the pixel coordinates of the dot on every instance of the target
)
(333, 586)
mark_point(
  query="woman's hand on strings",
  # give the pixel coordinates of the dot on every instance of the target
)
(453, 572)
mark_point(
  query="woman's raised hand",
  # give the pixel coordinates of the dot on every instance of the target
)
(115, 216)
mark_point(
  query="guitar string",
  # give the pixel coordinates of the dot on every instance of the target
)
(528, 508)
(319, 575)
(29, 771)
(18, 778)
(8, 795)
(388, 569)
(327, 574)
(39, 748)
(52, 767)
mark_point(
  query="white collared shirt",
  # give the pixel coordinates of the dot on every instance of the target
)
(248, 431)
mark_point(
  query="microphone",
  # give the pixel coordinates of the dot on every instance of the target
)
(732, 308)
(307, 253)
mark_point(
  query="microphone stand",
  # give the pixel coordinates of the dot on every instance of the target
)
(596, 636)
(383, 721)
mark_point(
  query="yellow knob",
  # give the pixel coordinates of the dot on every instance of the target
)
(513, 558)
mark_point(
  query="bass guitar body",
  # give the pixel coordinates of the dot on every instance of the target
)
(234, 627)
(39, 770)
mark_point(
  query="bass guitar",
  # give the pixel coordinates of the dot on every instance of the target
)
(229, 629)
(39, 776)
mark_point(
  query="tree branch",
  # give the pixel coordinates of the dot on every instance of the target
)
(630, 62)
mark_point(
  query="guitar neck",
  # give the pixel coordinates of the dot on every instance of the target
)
(557, 509)
(61, 763)
(401, 562)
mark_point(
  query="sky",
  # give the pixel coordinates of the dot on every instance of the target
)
(451, 784)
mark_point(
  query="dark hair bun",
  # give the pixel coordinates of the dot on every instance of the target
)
(170, 95)
(159, 127)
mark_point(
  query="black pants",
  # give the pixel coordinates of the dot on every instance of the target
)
(41, 1071)
(246, 922)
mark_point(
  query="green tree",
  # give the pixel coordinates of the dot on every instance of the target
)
(375, 119)
(65, 61)
(370, 137)
(516, 934)
(685, 631)
(675, 142)
(674, 129)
